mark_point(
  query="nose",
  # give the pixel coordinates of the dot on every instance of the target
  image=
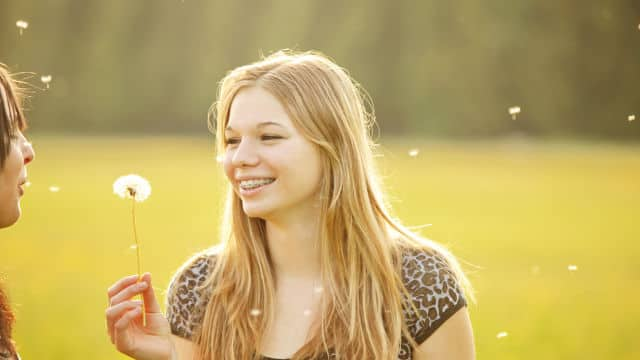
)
(27, 152)
(245, 154)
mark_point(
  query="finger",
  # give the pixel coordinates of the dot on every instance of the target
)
(128, 293)
(121, 284)
(113, 313)
(121, 337)
(149, 296)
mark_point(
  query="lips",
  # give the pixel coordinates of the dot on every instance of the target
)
(21, 187)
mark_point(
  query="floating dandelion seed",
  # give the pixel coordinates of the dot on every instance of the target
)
(46, 79)
(502, 334)
(22, 25)
(255, 312)
(414, 152)
(219, 158)
(318, 289)
(630, 118)
(572, 267)
(27, 184)
(54, 189)
(535, 270)
(307, 312)
(514, 111)
(133, 247)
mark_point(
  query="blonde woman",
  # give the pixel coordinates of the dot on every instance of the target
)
(311, 265)
(15, 153)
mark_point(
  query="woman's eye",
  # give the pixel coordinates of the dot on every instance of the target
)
(232, 141)
(271, 137)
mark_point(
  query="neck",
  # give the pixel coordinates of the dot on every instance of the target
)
(294, 248)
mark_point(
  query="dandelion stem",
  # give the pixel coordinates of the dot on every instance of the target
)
(135, 237)
(135, 233)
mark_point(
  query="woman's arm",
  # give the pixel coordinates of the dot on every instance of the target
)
(452, 340)
(184, 349)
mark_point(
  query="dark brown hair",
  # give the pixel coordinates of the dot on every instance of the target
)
(12, 120)
(6, 324)
(12, 116)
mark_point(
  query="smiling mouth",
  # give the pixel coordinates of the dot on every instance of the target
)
(253, 184)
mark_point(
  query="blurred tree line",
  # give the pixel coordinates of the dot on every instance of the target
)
(450, 68)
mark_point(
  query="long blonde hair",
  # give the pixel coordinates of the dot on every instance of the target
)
(360, 244)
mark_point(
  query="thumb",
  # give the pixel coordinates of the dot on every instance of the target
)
(149, 296)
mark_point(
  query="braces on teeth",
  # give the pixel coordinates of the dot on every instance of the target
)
(252, 184)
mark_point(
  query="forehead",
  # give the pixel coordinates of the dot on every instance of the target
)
(253, 106)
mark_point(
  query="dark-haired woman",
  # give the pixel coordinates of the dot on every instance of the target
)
(15, 153)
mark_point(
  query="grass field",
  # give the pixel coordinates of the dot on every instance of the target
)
(519, 212)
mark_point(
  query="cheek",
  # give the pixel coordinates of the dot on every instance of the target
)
(14, 162)
(228, 168)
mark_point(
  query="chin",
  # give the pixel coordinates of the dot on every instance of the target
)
(10, 218)
(256, 212)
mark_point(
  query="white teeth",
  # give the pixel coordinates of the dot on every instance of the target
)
(254, 183)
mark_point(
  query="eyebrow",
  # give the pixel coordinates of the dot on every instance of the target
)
(262, 124)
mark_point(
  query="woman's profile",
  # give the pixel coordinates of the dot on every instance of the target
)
(310, 265)
(15, 153)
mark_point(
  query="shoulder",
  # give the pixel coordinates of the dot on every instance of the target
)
(188, 295)
(434, 290)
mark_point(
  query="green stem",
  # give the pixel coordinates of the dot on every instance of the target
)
(135, 237)
(135, 234)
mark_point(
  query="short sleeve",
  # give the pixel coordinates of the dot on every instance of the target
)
(434, 290)
(186, 299)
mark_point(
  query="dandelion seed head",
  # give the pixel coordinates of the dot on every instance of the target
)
(414, 152)
(255, 312)
(502, 334)
(54, 189)
(514, 110)
(630, 118)
(22, 24)
(572, 268)
(132, 187)
(45, 79)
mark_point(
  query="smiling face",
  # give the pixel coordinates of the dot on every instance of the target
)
(13, 177)
(272, 167)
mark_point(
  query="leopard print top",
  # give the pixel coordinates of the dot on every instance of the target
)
(430, 281)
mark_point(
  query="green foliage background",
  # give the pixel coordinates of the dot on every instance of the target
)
(516, 213)
(433, 67)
